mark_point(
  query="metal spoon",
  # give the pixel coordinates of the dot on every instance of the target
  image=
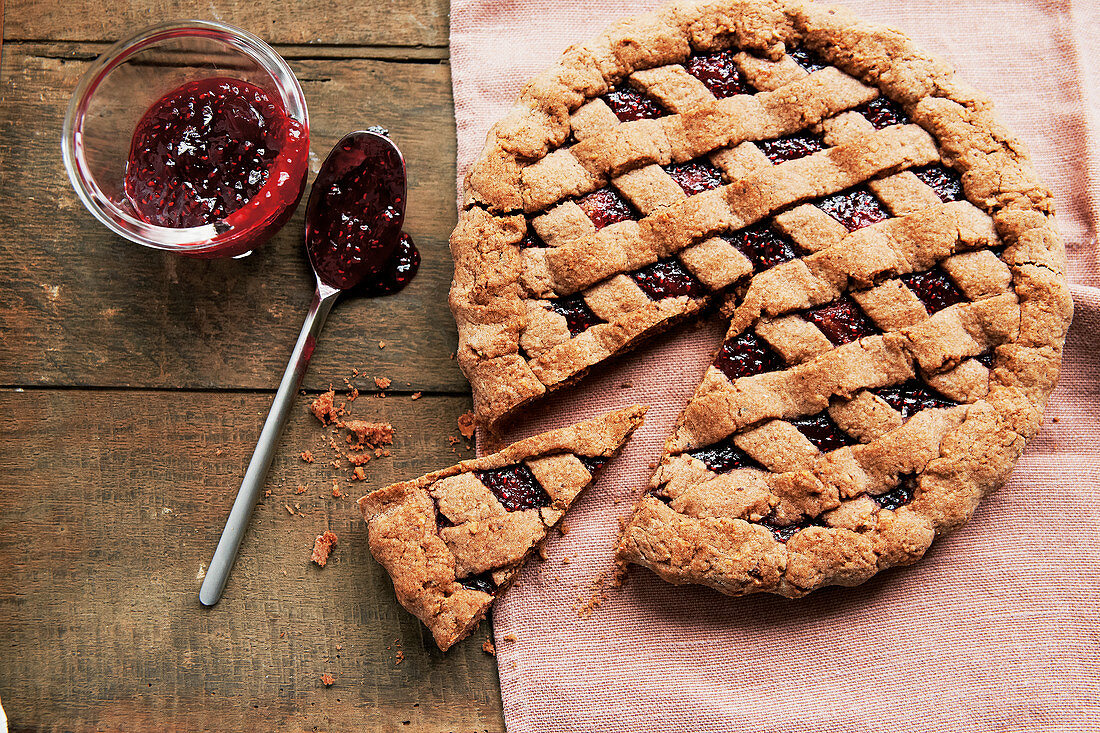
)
(353, 225)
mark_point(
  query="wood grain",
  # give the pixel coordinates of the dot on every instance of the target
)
(81, 306)
(113, 501)
(378, 22)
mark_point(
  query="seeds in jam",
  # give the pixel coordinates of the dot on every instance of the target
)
(515, 487)
(855, 208)
(401, 268)
(606, 206)
(578, 316)
(934, 288)
(764, 246)
(820, 430)
(593, 463)
(719, 74)
(881, 113)
(841, 321)
(745, 355)
(695, 176)
(723, 457)
(204, 150)
(946, 183)
(668, 279)
(900, 496)
(531, 239)
(630, 105)
(807, 59)
(912, 397)
(791, 147)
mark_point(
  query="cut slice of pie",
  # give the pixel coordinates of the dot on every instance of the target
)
(881, 242)
(452, 540)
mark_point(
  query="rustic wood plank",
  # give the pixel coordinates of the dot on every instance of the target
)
(113, 500)
(379, 22)
(81, 306)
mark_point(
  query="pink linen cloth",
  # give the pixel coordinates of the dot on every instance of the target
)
(996, 629)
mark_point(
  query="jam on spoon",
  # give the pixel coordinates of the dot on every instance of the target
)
(217, 151)
(353, 238)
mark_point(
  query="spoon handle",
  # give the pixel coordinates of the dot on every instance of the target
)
(222, 562)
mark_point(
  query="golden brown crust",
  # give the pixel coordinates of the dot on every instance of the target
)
(432, 532)
(998, 245)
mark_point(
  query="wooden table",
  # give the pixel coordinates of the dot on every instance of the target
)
(133, 385)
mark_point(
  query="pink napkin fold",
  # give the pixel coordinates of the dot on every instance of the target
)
(996, 629)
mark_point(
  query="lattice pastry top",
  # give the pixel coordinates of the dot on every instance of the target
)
(454, 539)
(884, 249)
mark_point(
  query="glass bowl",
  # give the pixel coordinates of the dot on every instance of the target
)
(126, 80)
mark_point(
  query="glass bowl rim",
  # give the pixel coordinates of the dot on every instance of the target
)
(184, 239)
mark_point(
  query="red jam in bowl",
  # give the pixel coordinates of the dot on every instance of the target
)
(218, 151)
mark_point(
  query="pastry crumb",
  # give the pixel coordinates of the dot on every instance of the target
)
(626, 385)
(322, 547)
(359, 459)
(382, 382)
(358, 474)
(306, 456)
(466, 424)
(488, 648)
(219, 451)
(368, 434)
(336, 493)
(417, 395)
(289, 510)
(509, 637)
(381, 344)
(327, 680)
(399, 657)
(300, 490)
(324, 407)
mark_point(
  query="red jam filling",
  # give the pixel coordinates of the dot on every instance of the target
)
(482, 582)
(578, 316)
(515, 487)
(807, 59)
(206, 150)
(668, 279)
(934, 288)
(855, 208)
(630, 105)
(820, 430)
(723, 457)
(719, 74)
(946, 183)
(841, 321)
(745, 355)
(605, 206)
(399, 270)
(791, 147)
(899, 497)
(695, 176)
(912, 397)
(593, 463)
(764, 246)
(881, 112)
